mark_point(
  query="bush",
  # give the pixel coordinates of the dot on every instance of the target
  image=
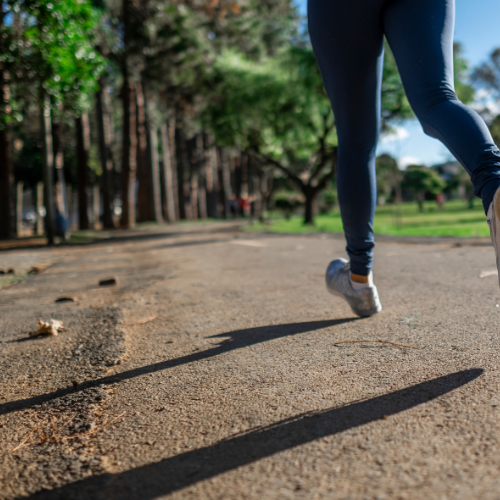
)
(327, 201)
(288, 202)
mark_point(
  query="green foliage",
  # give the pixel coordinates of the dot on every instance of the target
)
(464, 90)
(256, 29)
(52, 49)
(394, 101)
(388, 176)
(487, 74)
(418, 178)
(327, 200)
(278, 105)
(495, 130)
(422, 180)
(288, 202)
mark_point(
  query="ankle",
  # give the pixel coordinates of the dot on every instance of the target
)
(360, 282)
(356, 278)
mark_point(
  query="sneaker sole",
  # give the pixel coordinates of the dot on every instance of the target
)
(357, 312)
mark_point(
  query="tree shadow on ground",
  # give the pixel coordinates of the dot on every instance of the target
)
(238, 339)
(171, 474)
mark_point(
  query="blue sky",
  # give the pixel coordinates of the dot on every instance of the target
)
(478, 29)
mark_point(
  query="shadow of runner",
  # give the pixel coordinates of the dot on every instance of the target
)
(238, 339)
(171, 474)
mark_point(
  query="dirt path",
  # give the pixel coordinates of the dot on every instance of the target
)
(219, 368)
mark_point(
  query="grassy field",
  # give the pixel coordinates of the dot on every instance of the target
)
(455, 220)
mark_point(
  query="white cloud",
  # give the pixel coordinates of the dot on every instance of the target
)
(397, 134)
(406, 161)
(486, 101)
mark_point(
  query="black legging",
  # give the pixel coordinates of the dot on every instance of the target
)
(348, 41)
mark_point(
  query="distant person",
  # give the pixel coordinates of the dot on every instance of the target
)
(348, 41)
(244, 205)
(440, 201)
(233, 205)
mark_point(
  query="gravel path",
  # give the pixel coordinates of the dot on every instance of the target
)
(219, 368)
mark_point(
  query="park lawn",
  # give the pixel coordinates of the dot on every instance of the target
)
(456, 220)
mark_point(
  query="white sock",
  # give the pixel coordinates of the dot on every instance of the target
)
(489, 214)
(361, 286)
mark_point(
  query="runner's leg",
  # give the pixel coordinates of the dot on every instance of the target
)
(347, 38)
(420, 34)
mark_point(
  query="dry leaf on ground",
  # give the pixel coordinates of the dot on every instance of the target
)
(51, 327)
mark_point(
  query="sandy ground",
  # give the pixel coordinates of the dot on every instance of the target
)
(220, 368)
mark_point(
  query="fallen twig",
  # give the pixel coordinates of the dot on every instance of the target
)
(24, 441)
(141, 321)
(89, 433)
(66, 423)
(401, 346)
(55, 438)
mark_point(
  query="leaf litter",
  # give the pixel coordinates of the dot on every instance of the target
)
(51, 328)
(395, 344)
(70, 417)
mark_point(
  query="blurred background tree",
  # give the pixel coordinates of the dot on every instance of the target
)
(389, 178)
(161, 110)
(421, 180)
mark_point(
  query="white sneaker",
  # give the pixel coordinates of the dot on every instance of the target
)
(493, 219)
(364, 302)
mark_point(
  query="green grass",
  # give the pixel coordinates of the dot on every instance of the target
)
(11, 279)
(456, 220)
(85, 236)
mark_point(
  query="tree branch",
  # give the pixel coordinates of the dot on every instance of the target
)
(322, 153)
(281, 167)
(329, 175)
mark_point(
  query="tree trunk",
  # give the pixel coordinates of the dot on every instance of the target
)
(193, 175)
(155, 173)
(145, 200)
(201, 167)
(226, 182)
(420, 201)
(19, 209)
(82, 147)
(173, 162)
(129, 167)
(169, 208)
(105, 132)
(183, 185)
(310, 195)
(6, 166)
(61, 201)
(194, 196)
(96, 205)
(6, 184)
(39, 208)
(257, 196)
(236, 166)
(48, 167)
(244, 173)
(211, 177)
(69, 201)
